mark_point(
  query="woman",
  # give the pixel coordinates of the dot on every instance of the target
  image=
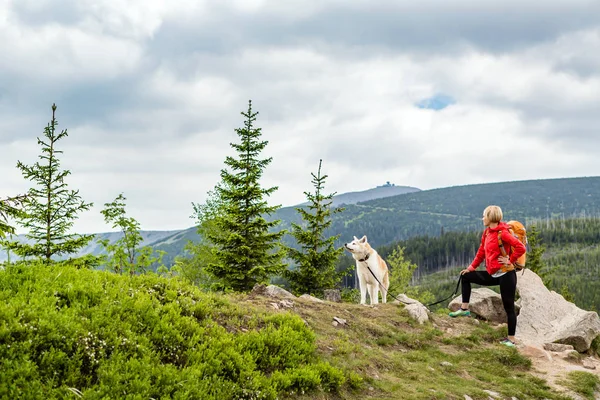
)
(499, 269)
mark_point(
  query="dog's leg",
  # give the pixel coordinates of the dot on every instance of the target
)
(363, 289)
(375, 293)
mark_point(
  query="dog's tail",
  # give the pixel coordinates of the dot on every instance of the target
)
(385, 285)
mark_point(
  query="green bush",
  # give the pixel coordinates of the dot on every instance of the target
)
(67, 332)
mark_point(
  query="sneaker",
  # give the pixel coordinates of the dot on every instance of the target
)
(507, 342)
(460, 313)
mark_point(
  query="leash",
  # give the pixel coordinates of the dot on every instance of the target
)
(452, 295)
(387, 292)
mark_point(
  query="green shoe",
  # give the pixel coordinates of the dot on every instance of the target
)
(507, 342)
(460, 313)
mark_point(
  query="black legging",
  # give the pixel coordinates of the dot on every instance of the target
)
(508, 287)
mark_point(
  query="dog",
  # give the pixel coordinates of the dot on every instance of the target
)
(367, 258)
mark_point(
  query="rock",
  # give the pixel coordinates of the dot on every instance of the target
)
(468, 397)
(546, 317)
(493, 394)
(333, 295)
(418, 312)
(558, 347)
(311, 298)
(486, 303)
(272, 291)
(275, 306)
(535, 352)
(588, 363)
(404, 299)
(446, 364)
(569, 355)
(415, 309)
(286, 303)
(340, 321)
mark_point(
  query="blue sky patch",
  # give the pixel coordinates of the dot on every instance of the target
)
(437, 102)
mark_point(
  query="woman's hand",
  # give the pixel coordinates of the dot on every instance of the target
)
(465, 271)
(504, 260)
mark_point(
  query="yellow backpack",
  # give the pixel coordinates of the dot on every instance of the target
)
(518, 230)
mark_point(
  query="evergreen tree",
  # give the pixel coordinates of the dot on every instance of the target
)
(316, 259)
(192, 266)
(125, 255)
(536, 250)
(50, 208)
(10, 208)
(247, 252)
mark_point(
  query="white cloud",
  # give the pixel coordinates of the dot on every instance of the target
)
(151, 93)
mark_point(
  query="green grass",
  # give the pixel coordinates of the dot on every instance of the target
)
(584, 383)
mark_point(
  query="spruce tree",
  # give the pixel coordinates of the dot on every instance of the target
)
(245, 247)
(317, 257)
(125, 254)
(535, 261)
(50, 208)
(10, 208)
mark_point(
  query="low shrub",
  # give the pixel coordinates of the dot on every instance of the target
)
(68, 331)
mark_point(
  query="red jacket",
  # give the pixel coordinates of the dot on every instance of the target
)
(490, 251)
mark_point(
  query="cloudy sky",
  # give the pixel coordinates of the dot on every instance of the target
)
(422, 93)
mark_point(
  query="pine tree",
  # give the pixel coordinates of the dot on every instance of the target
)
(199, 254)
(536, 250)
(317, 258)
(125, 255)
(10, 208)
(245, 247)
(50, 208)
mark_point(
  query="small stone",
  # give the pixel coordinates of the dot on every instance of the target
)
(446, 364)
(588, 364)
(493, 394)
(334, 323)
(340, 321)
(558, 347)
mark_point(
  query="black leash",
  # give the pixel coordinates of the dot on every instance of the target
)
(452, 295)
(402, 301)
(382, 288)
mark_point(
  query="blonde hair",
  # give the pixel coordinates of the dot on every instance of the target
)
(493, 213)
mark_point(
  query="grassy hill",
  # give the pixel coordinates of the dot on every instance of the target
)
(70, 333)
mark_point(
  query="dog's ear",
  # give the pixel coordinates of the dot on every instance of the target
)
(355, 238)
(363, 239)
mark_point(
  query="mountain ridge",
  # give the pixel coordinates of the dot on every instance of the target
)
(388, 219)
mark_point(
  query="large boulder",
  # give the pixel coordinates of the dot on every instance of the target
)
(546, 317)
(486, 304)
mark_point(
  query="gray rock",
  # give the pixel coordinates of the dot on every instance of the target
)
(485, 303)
(546, 317)
(311, 298)
(415, 309)
(333, 295)
(558, 347)
(272, 291)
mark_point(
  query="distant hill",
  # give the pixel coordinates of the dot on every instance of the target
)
(93, 247)
(389, 219)
(380, 192)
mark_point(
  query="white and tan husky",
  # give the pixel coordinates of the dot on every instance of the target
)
(367, 258)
